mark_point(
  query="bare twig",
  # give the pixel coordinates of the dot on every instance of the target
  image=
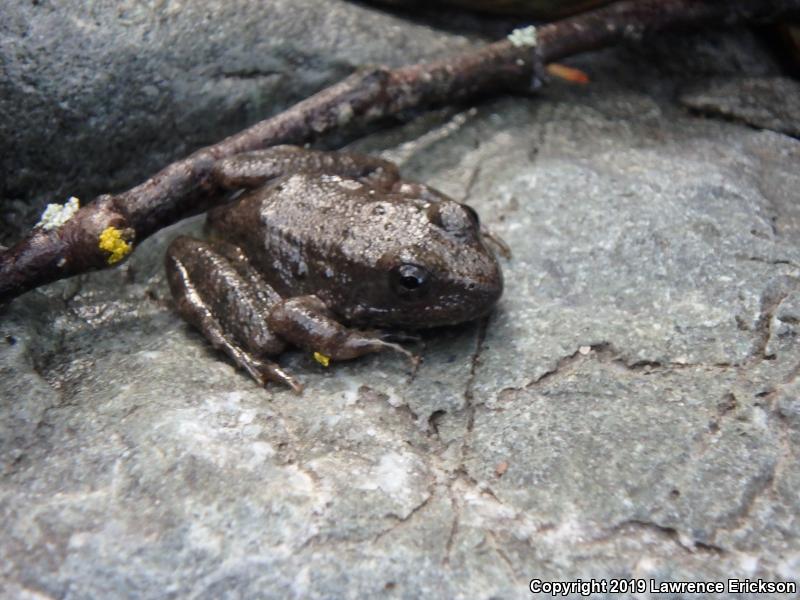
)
(185, 188)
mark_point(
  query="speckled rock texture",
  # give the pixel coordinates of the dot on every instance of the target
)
(631, 409)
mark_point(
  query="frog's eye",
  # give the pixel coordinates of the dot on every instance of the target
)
(409, 280)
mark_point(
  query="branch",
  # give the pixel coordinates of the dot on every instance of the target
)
(104, 231)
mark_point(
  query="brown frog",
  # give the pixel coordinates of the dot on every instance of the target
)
(323, 243)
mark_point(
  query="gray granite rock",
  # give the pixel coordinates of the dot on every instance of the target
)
(630, 410)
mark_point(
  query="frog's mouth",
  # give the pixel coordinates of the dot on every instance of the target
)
(461, 306)
(456, 305)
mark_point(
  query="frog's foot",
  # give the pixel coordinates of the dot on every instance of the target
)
(306, 322)
(273, 372)
(259, 369)
(227, 302)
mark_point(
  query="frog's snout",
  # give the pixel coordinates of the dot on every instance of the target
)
(489, 287)
(482, 288)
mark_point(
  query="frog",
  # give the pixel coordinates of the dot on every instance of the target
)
(332, 252)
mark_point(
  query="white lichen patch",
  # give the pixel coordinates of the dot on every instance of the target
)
(55, 215)
(524, 36)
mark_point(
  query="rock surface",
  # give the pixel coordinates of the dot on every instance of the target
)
(768, 102)
(632, 409)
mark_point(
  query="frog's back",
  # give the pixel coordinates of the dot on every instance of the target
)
(311, 233)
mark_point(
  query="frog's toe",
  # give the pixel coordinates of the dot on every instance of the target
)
(269, 371)
(414, 359)
(401, 337)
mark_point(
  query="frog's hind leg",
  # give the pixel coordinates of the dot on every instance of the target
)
(229, 308)
(306, 322)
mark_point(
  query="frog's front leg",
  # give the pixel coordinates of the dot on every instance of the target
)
(306, 322)
(217, 291)
(253, 169)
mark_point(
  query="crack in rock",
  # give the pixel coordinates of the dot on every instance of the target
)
(400, 521)
(683, 541)
(606, 352)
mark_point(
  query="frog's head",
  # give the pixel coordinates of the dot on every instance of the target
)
(438, 271)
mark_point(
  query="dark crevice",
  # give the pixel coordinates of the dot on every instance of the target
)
(498, 548)
(768, 261)
(398, 520)
(469, 397)
(249, 74)
(453, 530)
(606, 352)
(434, 419)
(728, 404)
(668, 532)
(763, 328)
(719, 115)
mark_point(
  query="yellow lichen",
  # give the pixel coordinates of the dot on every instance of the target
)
(111, 241)
(322, 359)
